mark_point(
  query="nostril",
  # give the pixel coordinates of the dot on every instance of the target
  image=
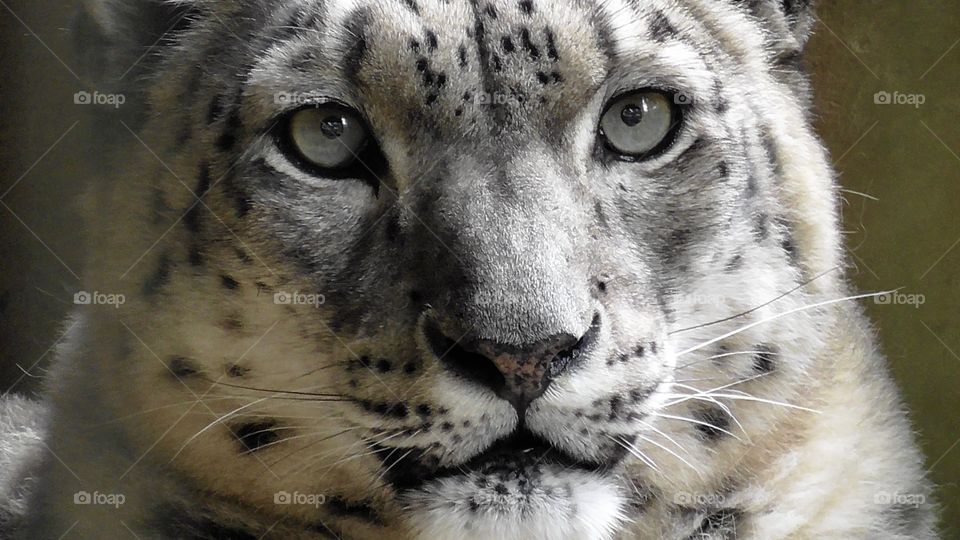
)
(467, 364)
(516, 374)
(571, 356)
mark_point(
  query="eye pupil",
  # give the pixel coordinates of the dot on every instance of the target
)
(639, 125)
(332, 127)
(328, 137)
(631, 115)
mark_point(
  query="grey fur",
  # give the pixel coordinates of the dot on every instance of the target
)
(501, 217)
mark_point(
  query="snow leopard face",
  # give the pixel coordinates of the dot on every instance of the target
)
(513, 269)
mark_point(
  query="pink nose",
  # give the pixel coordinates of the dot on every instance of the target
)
(529, 371)
(516, 374)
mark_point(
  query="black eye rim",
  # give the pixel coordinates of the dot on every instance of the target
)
(677, 119)
(368, 163)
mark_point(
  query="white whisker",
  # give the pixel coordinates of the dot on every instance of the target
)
(215, 422)
(793, 311)
(698, 422)
(635, 452)
(672, 453)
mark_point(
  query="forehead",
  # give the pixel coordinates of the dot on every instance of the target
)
(505, 60)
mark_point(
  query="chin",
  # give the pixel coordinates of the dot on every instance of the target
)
(518, 489)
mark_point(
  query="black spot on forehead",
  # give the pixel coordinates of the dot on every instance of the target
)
(552, 52)
(528, 45)
(661, 29)
(723, 170)
(432, 41)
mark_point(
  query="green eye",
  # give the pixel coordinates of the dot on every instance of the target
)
(639, 124)
(327, 136)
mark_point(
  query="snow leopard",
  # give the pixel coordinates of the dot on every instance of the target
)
(461, 269)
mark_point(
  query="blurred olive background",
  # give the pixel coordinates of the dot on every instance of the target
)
(887, 80)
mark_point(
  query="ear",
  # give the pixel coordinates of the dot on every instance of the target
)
(119, 41)
(790, 22)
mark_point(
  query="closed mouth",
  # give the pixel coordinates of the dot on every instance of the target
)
(511, 456)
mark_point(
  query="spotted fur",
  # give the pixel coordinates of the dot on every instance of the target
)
(723, 386)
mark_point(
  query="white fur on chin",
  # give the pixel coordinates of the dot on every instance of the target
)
(563, 505)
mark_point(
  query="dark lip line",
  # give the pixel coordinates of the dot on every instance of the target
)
(519, 441)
